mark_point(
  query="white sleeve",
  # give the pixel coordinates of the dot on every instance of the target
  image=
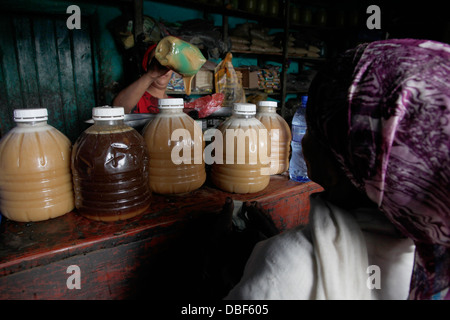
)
(325, 260)
(281, 267)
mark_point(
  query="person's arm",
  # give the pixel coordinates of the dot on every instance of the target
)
(130, 96)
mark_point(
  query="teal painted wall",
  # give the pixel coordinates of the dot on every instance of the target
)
(111, 62)
(43, 64)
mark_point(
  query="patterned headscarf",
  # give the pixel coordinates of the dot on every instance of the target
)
(383, 109)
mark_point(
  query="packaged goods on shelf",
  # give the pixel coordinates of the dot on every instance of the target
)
(203, 81)
(201, 33)
(254, 38)
(239, 43)
(269, 79)
(176, 83)
(301, 44)
(249, 79)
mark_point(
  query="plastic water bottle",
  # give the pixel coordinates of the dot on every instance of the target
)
(297, 166)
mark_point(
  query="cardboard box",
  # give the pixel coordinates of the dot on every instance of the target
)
(203, 81)
(249, 78)
(253, 80)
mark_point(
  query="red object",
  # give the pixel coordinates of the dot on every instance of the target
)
(206, 105)
(147, 104)
(146, 55)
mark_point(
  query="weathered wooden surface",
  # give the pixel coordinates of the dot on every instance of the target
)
(45, 65)
(153, 255)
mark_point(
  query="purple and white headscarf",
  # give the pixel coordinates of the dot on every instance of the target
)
(384, 111)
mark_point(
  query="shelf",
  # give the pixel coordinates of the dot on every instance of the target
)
(220, 9)
(247, 92)
(256, 91)
(193, 93)
(310, 59)
(296, 91)
(283, 57)
(279, 54)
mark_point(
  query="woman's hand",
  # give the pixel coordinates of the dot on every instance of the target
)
(154, 68)
(156, 76)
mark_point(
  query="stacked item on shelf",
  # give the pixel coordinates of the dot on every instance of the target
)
(254, 38)
(248, 76)
(176, 83)
(239, 76)
(269, 79)
(266, 78)
(301, 44)
(122, 30)
(239, 43)
(201, 33)
(203, 82)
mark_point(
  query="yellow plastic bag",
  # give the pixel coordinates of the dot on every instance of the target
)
(226, 81)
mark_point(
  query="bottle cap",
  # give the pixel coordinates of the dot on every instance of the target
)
(267, 104)
(30, 115)
(108, 113)
(244, 108)
(171, 103)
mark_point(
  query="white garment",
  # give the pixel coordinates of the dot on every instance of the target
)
(329, 259)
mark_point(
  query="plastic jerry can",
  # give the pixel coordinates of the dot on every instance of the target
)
(35, 177)
(110, 168)
(246, 163)
(175, 145)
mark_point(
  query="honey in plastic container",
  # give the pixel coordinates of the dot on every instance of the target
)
(35, 177)
(246, 150)
(180, 56)
(175, 145)
(110, 168)
(280, 136)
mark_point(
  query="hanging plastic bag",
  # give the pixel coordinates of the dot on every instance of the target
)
(205, 106)
(227, 82)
